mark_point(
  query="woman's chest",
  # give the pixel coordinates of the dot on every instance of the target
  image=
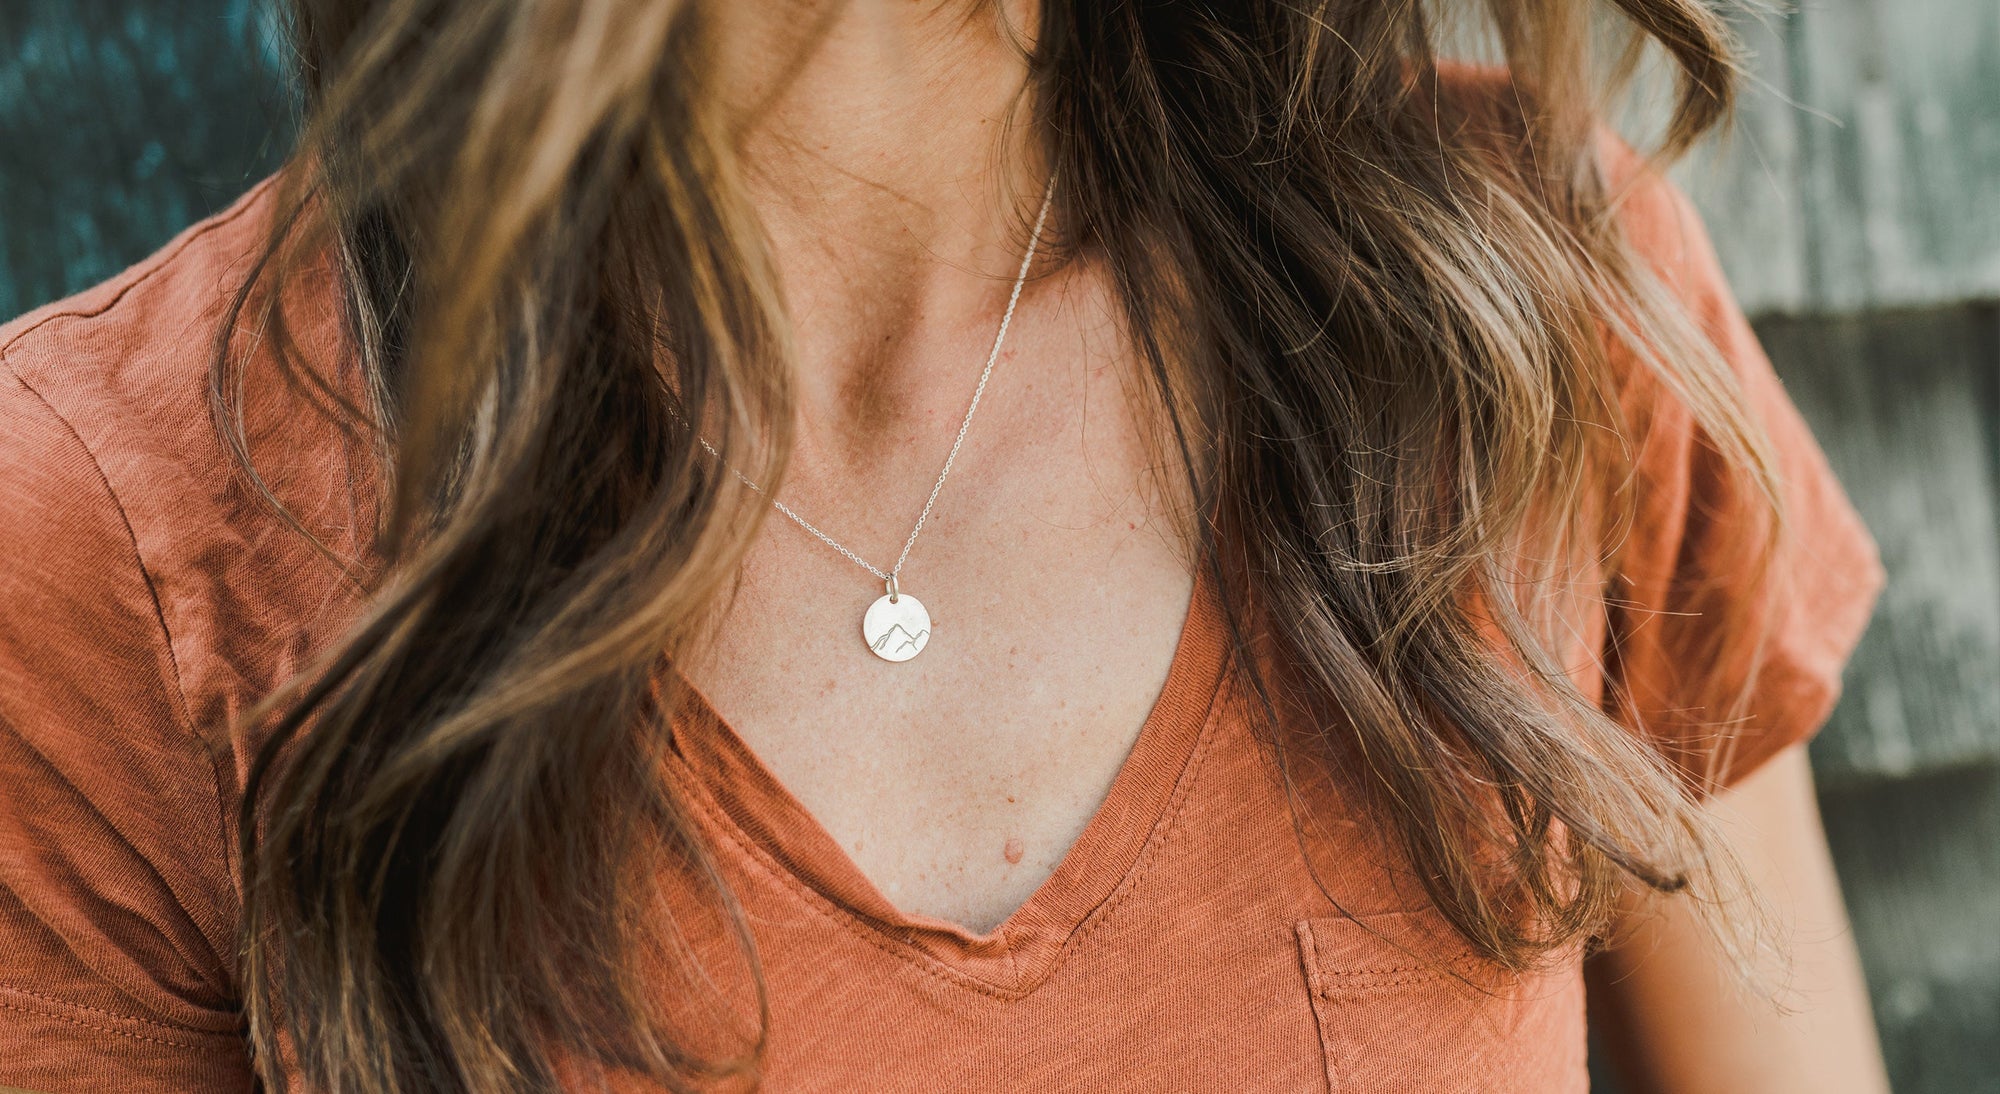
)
(1049, 590)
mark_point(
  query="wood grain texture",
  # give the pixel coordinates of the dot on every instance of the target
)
(1920, 857)
(1907, 406)
(121, 122)
(1865, 171)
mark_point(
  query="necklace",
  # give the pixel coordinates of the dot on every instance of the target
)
(897, 626)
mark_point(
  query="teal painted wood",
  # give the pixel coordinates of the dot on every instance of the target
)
(120, 123)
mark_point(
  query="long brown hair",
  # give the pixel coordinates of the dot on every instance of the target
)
(1378, 309)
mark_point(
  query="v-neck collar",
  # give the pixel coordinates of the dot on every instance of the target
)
(1018, 954)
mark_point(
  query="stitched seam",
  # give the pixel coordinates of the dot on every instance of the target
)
(1311, 939)
(102, 1029)
(145, 273)
(1462, 960)
(1316, 998)
(1011, 951)
(1169, 824)
(12, 990)
(131, 537)
(1331, 991)
(178, 690)
(140, 275)
(149, 267)
(1314, 975)
(824, 907)
(819, 904)
(881, 939)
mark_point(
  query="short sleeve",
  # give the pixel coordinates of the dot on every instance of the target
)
(1727, 635)
(117, 908)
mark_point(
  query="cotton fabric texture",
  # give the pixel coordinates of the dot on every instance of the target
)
(147, 598)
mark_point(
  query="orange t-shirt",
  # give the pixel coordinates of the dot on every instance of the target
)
(1182, 944)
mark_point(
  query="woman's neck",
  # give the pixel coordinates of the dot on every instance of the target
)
(891, 163)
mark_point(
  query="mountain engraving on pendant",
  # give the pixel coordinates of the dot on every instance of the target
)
(897, 640)
(898, 629)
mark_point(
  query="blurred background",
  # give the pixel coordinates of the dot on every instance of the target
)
(1856, 207)
(1857, 211)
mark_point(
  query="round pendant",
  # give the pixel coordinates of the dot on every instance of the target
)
(896, 627)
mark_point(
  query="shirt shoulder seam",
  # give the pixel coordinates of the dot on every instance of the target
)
(145, 269)
(182, 708)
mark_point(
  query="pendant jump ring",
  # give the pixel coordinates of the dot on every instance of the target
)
(891, 583)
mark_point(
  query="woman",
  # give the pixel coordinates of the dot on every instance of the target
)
(923, 546)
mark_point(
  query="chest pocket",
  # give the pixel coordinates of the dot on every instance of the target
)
(1404, 1006)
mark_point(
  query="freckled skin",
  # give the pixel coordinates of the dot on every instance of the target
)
(1013, 850)
(1035, 531)
(872, 401)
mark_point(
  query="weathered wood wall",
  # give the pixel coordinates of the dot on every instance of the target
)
(1864, 169)
(1857, 210)
(1907, 404)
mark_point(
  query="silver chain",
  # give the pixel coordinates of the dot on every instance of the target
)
(889, 576)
